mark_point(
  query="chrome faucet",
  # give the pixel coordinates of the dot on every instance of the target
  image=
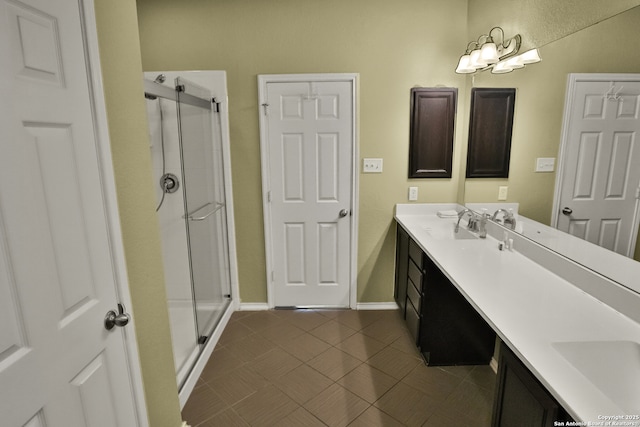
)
(509, 220)
(477, 222)
(471, 225)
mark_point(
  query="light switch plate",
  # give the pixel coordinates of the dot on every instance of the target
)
(372, 165)
(545, 164)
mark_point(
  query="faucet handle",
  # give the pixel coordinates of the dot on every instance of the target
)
(472, 224)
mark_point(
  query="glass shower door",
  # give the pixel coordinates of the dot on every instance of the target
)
(204, 199)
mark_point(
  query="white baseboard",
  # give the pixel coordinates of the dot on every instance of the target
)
(376, 306)
(259, 306)
(253, 306)
(184, 424)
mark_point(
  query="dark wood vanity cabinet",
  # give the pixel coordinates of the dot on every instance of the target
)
(448, 330)
(402, 265)
(520, 398)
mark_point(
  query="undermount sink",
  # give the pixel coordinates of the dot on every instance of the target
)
(612, 366)
(448, 232)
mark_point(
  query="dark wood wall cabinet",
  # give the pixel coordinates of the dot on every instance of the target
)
(490, 128)
(448, 330)
(433, 113)
(521, 399)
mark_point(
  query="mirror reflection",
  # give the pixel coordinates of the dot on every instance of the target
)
(603, 48)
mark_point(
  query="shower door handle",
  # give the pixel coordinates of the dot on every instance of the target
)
(116, 319)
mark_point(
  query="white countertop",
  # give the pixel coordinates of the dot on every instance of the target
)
(528, 306)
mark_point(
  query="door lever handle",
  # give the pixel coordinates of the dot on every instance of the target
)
(119, 319)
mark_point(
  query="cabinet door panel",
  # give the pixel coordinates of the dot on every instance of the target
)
(414, 295)
(490, 127)
(433, 112)
(415, 275)
(520, 398)
(413, 321)
(415, 253)
(402, 265)
(451, 330)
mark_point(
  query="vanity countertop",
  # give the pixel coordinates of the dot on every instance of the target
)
(529, 307)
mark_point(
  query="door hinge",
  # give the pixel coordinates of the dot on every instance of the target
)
(265, 106)
(268, 196)
(273, 275)
(216, 105)
(180, 88)
(638, 193)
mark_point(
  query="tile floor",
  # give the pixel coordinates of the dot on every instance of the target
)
(334, 368)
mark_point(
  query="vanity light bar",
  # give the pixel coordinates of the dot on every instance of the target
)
(499, 57)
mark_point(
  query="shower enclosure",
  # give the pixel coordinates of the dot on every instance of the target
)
(189, 139)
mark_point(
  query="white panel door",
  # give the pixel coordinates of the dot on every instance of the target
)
(310, 145)
(601, 167)
(58, 364)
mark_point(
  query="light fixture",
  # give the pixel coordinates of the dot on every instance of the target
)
(464, 65)
(493, 52)
(530, 57)
(501, 68)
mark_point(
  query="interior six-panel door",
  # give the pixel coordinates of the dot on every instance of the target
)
(602, 164)
(58, 364)
(310, 137)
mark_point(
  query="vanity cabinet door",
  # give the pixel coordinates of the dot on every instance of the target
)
(451, 330)
(402, 265)
(448, 330)
(520, 398)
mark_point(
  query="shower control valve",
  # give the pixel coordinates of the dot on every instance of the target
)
(169, 183)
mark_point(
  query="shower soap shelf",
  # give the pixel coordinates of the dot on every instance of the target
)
(217, 207)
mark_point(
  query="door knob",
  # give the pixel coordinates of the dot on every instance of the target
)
(567, 211)
(116, 319)
(343, 213)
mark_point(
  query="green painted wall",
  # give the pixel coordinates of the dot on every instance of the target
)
(393, 45)
(541, 89)
(541, 22)
(128, 130)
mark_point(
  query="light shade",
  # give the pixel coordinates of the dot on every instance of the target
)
(514, 63)
(501, 68)
(530, 57)
(464, 66)
(475, 60)
(489, 53)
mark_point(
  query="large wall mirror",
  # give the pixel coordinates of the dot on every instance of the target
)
(608, 46)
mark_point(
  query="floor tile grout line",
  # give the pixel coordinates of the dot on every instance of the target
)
(387, 342)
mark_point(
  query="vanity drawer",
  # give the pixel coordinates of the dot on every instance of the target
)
(413, 321)
(415, 274)
(414, 295)
(415, 253)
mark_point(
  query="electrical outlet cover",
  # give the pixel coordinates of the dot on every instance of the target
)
(413, 193)
(502, 192)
